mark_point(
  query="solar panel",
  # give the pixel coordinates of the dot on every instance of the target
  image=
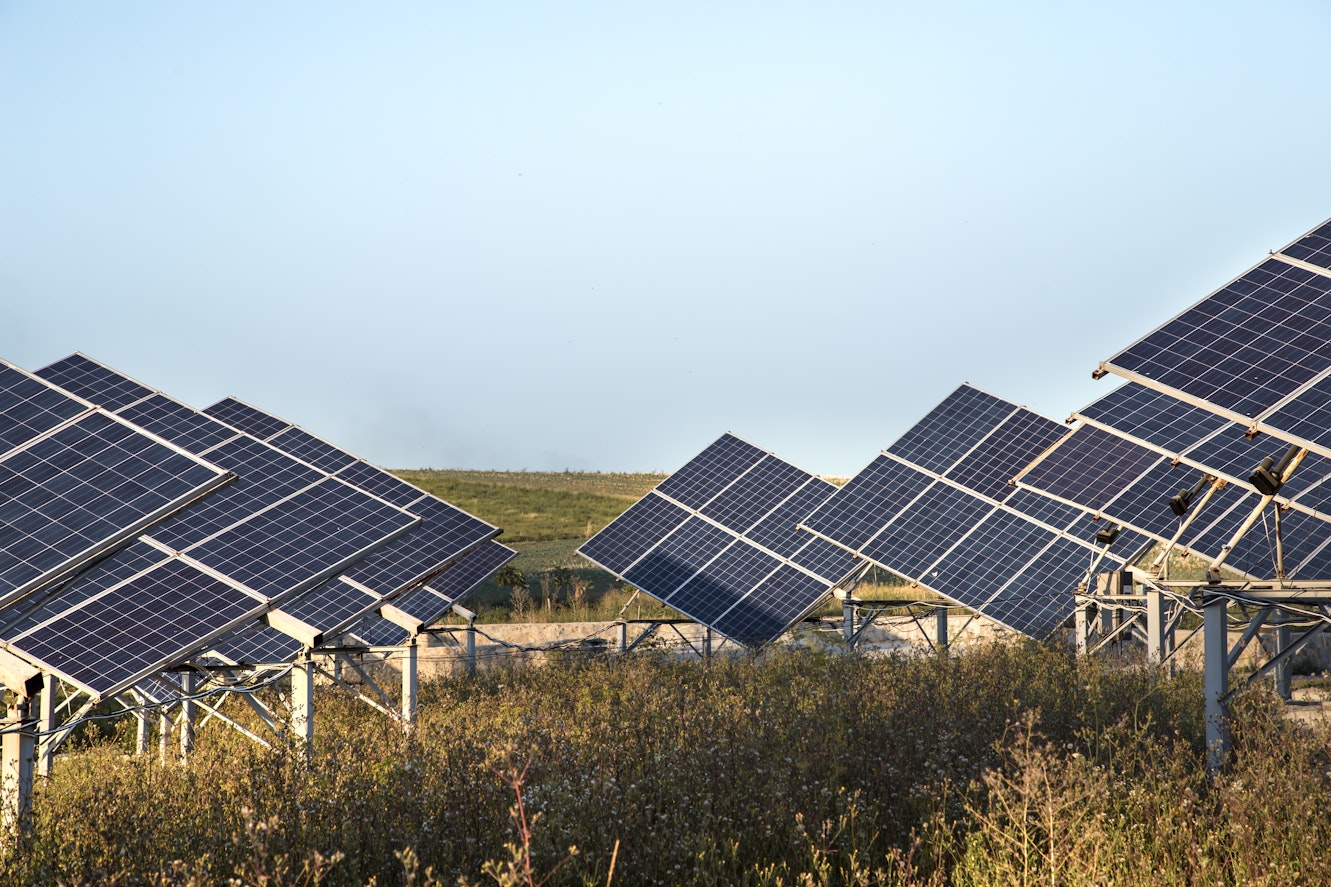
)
(1180, 441)
(718, 541)
(1245, 347)
(254, 422)
(75, 482)
(1313, 247)
(137, 628)
(283, 528)
(445, 533)
(938, 509)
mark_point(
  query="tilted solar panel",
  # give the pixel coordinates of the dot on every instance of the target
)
(718, 541)
(283, 528)
(75, 482)
(937, 508)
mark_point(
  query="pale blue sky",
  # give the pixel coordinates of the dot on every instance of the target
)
(595, 236)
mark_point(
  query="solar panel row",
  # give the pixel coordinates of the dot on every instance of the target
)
(285, 527)
(937, 508)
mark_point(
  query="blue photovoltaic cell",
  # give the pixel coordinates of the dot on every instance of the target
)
(936, 520)
(710, 471)
(431, 602)
(245, 417)
(990, 467)
(720, 584)
(1040, 598)
(1090, 466)
(462, 578)
(822, 558)
(758, 491)
(679, 556)
(329, 605)
(766, 611)
(860, 508)
(1056, 514)
(1307, 416)
(82, 488)
(1316, 565)
(1144, 504)
(92, 581)
(629, 536)
(263, 477)
(105, 645)
(1153, 417)
(379, 633)
(984, 560)
(85, 378)
(308, 448)
(303, 538)
(378, 482)
(443, 534)
(29, 408)
(1313, 248)
(961, 421)
(257, 644)
(1245, 347)
(779, 531)
(185, 427)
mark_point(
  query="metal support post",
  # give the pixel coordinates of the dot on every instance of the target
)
(707, 644)
(940, 629)
(409, 684)
(1215, 652)
(470, 660)
(1082, 628)
(337, 665)
(622, 637)
(848, 620)
(19, 752)
(46, 725)
(141, 737)
(302, 702)
(189, 684)
(1155, 626)
(163, 737)
(1282, 670)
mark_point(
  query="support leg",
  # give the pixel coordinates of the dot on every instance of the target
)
(1283, 670)
(622, 637)
(470, 660)
(848, 621)
(940, 629)
(1215, 649)
(19, 751)
(409, 685)
(1082, 629)
(46, 724)
(189, 684)
(163, 737)
(707, 644)
(141, 737)
(1155, 626)
(302, 703)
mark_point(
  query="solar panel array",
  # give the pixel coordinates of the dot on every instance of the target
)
(443, 540)
(937, 508)
(1257, 351)
(287, 528)
(1139, 447)
(718, 541)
